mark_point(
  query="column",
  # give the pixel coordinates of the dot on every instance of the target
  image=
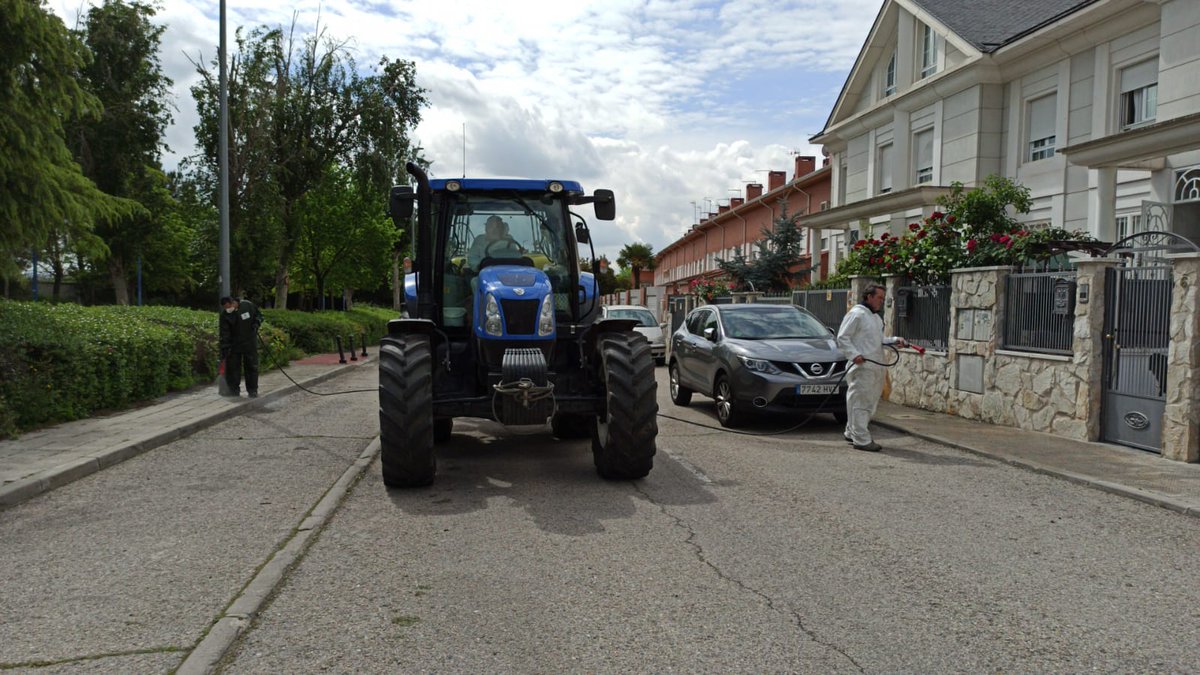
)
(1181, 419)
(1089, 337)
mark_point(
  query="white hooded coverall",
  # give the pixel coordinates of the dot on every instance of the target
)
(861, 334)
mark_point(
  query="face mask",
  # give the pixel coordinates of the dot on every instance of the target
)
(230, 310)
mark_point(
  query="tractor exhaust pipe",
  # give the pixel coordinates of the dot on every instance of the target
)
(424, 250)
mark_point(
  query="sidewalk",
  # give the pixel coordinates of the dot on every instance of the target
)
(42, 460)
(1117, 469)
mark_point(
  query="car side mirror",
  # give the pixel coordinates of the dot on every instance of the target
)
(400, 204)
(710, 334)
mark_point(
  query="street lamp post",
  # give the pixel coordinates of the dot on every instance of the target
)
(223, 164)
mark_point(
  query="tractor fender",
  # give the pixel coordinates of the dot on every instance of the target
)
(590, 340)
(399, 327)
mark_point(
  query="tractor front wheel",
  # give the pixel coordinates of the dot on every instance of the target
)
(623, 435)
(406, 426)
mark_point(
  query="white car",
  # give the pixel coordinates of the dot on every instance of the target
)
(647, 325)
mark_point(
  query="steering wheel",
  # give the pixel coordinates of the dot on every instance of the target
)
(510, 245)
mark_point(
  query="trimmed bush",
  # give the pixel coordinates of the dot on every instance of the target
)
(63, 362)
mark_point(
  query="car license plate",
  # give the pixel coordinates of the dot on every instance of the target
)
(810, 389)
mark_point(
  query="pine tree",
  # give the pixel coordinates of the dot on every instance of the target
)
(780, 251)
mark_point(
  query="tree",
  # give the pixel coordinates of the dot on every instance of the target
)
(45, 192)
(121, 149)
(302, 108)
(346, 239)
(636, 257)
(780, 251)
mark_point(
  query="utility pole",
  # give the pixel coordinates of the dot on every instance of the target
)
(223, 165)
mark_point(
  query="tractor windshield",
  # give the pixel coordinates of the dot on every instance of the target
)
(494, 227)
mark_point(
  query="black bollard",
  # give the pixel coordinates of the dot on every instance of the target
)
(341, 354)
(364, 343)
(353, 355)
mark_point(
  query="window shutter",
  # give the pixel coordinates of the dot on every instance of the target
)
(1140, 75)
(1041, 117)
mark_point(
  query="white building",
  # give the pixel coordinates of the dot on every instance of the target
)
(1094, 105)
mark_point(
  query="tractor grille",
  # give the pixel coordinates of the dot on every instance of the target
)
(520, 316)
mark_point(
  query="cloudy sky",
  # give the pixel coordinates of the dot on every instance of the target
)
(673, 105)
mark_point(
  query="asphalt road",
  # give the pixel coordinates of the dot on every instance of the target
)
(784, 553)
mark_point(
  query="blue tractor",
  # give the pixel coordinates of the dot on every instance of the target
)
(502, 324)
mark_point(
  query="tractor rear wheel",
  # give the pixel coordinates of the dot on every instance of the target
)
(570, 425)
(623, 435)
(406, 427)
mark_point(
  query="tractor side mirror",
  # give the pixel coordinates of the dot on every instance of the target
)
(400, 204)
(582, 235)
(606, 204)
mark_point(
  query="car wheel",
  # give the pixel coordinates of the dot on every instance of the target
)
(680, 395)
(728, 412)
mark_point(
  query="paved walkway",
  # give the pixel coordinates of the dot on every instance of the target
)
(45, 459)
(42, 460)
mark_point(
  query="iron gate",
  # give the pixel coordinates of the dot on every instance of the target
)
(1137, 322)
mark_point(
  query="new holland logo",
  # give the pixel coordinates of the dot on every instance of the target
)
(1137, 420)
(817, 369)
(519, 291)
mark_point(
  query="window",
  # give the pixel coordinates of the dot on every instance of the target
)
(883, 168)
(1041, 127)
(1127, 225)
(889, 77)
(1139, 94)
(923, 156)
(928, 51)
(1187, 185)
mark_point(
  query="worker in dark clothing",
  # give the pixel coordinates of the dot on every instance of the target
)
(239, 344)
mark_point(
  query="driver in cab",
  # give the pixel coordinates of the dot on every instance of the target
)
(495, 242)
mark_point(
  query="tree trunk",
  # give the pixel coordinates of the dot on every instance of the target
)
(347, 299)
(636, 273)
(116, 274)
(281, 287)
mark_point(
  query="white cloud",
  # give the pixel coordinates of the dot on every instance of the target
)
(665, 102)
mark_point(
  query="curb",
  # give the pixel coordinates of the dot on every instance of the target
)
(19, 491)
(241, 613)
(1152, 498)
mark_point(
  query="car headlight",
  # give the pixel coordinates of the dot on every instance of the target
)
(760, 366)
(491, 312)
(546, 316)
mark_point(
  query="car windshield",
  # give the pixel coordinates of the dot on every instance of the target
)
(773, 323)
(642, 316)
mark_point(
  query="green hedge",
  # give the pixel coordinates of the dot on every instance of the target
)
(64, 362)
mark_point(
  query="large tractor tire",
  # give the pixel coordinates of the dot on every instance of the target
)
(571, 425)
(623, 436)
(406, 411)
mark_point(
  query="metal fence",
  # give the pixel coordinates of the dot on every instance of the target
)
(785, 299)
(1039, 312)
(923, 316)
(828, 305)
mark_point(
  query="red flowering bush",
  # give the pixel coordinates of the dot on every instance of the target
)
(709, 288)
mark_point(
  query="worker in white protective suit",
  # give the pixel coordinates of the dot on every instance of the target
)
(860, 339)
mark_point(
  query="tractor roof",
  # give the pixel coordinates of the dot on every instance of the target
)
(519, 184)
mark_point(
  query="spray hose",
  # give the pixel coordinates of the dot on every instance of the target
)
(304, 388)
(919, 350)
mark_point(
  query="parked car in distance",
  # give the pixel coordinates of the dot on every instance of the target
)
(647, 325)
(757, 358)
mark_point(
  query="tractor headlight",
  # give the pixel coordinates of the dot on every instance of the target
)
(546, 316)
(491, 316)
(556, 186)
(453, 186)
(760, 365)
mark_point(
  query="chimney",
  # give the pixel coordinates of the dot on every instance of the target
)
(775, 180)
(753, 191)
(805, 164)
(736, 202)
(722, 208)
